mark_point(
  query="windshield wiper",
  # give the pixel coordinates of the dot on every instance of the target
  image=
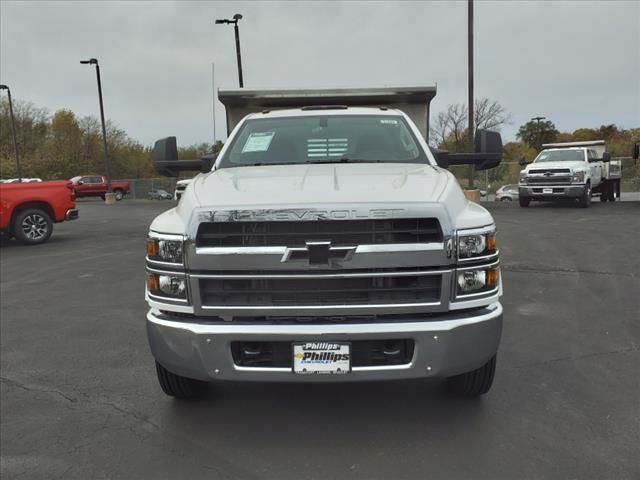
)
(349, 160)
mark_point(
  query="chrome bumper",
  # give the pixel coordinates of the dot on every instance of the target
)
(450, 344)
(72, 214)
(558, 191)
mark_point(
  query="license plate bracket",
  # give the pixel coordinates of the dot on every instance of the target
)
(321, 358)
(547, 190)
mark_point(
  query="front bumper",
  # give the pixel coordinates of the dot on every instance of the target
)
(447, 345)
(558, 192)
(72, 214)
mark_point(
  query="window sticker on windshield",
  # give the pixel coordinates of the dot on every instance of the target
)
(258, 142)
(389, 121)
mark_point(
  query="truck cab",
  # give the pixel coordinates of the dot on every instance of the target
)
(325, 243)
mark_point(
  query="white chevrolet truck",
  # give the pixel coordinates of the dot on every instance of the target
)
(571, 171)
(324, 243)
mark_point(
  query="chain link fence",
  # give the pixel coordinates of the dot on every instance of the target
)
(140, 187)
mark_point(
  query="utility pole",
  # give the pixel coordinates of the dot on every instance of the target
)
(94, 61)
(470, 71)
(236, 17)
(537, 119)
(13, 128)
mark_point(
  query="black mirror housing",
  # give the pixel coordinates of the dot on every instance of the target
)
(165, 159)
(606, 157)
(522, 162)
(488, 152)
(441, 156)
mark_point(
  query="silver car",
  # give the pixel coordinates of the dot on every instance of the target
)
(507, 193)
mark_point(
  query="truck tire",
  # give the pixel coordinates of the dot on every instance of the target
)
(177, 386)
(585, 199)
(524, 201)
(611, 191)
(32, 226)
(119, 194)
(474, 383)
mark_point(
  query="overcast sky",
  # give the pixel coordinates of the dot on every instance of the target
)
(577, 63)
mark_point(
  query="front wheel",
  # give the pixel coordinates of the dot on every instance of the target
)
(32, 226)
(474, 383)
(119, 194)
(585, 199)
(524, 201)
(178, 386)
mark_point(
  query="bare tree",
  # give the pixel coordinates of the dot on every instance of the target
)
(450, 127)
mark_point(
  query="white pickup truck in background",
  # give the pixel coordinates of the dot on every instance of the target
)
(571, 171)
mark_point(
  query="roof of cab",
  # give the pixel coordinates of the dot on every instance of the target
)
(304, 112)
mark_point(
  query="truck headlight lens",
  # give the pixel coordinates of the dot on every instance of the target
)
(164, 250)
(478, 280)
(172, 286)
(523, 177)
(478, 244)
(578, 177)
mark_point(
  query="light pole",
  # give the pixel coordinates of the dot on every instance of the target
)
(236, 17)
(13, 128)
(537, 119)
(470, 83)
(94, 61)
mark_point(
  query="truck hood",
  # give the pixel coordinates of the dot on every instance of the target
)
(418, 189)
(554, 165)
(314, 184)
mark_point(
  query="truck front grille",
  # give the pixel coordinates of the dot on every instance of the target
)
(339, 232)
(319, 290)
(558, 180)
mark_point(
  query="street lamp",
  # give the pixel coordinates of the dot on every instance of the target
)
(94, 61)
(537, 119)
(13, 128)
(236, 17)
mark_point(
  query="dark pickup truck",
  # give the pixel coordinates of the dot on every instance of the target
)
(96, 186)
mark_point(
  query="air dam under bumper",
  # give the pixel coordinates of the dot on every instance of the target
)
(449, 344)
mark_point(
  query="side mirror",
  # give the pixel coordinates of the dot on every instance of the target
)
(80, 182)
(522, 162)
(635, 154)
(488, 152)
(165, 159)
(606, 157)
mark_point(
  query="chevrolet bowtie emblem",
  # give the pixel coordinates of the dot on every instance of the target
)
(317, 253)
(547, 174)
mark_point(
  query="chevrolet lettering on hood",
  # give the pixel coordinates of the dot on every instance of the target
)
(295, 214)
(326, 241)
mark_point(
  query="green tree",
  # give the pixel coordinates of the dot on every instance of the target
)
(535, 134)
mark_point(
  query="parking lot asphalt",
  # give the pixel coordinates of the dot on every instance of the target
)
(79, 396)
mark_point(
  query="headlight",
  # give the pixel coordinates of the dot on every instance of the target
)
(484, 279)
(164, 249)
(166, 285)
(476, 243)
(578, 177)
(523, 177)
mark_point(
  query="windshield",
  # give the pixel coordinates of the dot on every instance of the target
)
(323, 139)
(560, 156)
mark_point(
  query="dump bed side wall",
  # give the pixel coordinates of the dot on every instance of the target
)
(413, 101)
